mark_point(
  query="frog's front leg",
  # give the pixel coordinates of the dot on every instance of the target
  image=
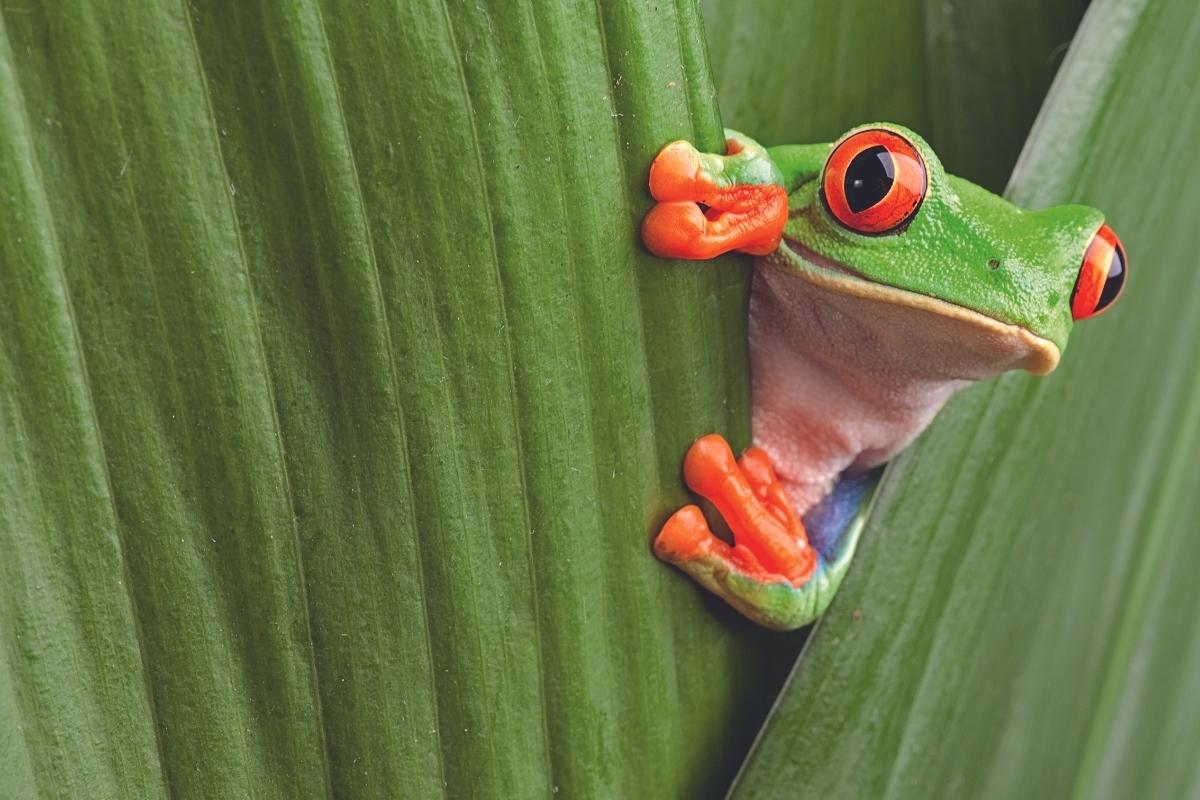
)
(771, 573)
(711, 204)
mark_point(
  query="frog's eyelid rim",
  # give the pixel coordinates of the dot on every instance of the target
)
(874, 155)
(1102, 275)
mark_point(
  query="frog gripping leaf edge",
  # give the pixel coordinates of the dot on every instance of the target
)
(882, 285)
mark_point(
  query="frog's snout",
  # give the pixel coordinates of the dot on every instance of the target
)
(1101, 275)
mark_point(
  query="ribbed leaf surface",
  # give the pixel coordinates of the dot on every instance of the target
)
(338, 403)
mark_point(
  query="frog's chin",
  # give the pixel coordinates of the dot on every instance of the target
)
(1041, 354)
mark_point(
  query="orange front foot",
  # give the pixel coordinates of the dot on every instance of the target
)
(709, 205)
(770, 542)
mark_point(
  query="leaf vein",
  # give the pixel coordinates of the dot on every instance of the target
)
(243, 262)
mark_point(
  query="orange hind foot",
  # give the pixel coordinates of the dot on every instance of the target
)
(770, 542)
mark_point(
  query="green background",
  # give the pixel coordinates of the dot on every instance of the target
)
(339, 402)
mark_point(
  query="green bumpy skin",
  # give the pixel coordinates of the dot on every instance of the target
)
(1031, 256)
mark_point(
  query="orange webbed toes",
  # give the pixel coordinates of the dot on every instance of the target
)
(675, 230)
(680, 229)
(744, 559)
(761, 520)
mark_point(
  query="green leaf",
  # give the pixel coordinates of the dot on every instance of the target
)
(338, 403)
(1021, 619)
(968, 76)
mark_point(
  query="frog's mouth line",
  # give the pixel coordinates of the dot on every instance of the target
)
(835, 276)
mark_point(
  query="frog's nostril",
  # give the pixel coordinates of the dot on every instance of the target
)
(1101, 275)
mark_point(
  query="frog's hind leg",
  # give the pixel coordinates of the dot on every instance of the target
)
(711, 204)
(732, 573)
(767, 573)
(711, 471)
(772, 574)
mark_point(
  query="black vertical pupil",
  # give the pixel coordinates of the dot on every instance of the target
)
(1114, 281)
(869, 177)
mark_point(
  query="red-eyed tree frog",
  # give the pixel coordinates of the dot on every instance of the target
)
(882, 286)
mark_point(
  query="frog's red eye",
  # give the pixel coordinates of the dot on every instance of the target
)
(1101, 276)
(874, 182)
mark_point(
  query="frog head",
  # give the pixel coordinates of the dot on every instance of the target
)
(877, 216)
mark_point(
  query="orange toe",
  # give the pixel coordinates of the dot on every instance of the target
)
(760, 474)
(674, 230)
(756, 466)
(674, 172)
(685, 536)
(708, 463)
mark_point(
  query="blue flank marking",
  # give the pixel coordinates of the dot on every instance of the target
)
(827, 521)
